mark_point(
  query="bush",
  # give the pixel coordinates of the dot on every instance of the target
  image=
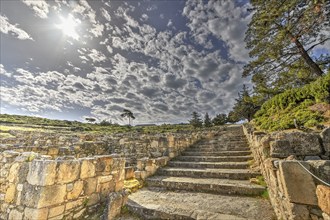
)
(279, 112)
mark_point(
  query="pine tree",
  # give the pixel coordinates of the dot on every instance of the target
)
(281, 36)
(207, 120)
(196, 120)
(245, 106)
(220, 119)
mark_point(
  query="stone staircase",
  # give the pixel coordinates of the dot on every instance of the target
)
(210, 180)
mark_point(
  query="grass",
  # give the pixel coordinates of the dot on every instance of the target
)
(5, 128)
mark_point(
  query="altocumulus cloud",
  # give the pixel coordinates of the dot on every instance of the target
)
(160, 59)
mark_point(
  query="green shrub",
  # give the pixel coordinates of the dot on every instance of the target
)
(279, 112)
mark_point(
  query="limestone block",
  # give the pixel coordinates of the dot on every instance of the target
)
(93, 199)
(298, 185)
(76, 191)
(68, 171)
(325, 136)
(10, 193)
(74, 204)
(105, 179)
(79, 213)
(299, 212)
(119, 185)
(323, 197)
(295, 143)
(105, 188)
(87, 168)
(114, 205)
(42, 172)
(325, 216)
(103, 163)
(15, 215)
(13, 172)
(129, 173)
(56, 211)
(33, 214)
(321, 168)
(90, 185)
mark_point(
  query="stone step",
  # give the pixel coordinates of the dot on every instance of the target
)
(220, 165)
(210, 185)
(237, 174)
(216, 153)
(223, 148)
(214, 158)
(154, 203)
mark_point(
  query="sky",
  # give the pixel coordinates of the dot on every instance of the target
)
(160, 59)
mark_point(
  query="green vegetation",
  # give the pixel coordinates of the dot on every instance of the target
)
(281, 37)
(297, 104)
(196, 120)
(207, 120)
(265, 194)
(244, 108)
(29, 123)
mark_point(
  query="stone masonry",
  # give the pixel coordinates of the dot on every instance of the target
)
(37, 187)
(284, 158)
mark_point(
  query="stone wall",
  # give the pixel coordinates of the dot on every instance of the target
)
(283, 158)
(33, 186)
(132, 146)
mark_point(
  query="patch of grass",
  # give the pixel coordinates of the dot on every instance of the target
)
(265, 194)
(261, 181)
(251, 162)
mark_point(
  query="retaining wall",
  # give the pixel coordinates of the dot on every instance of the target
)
(286, 160)
(36, 187)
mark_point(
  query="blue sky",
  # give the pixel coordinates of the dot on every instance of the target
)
(160, 59)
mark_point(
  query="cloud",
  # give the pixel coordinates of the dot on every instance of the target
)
(96, 56)
(3, 72)
(221, 19)
(40, 7)
(7, 27)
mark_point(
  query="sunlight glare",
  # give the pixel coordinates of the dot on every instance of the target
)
(68, 26)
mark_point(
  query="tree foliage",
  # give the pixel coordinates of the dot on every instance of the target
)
(245, 106)
(127, 113)
(220, 119)
(196, 120)
(281, 36)
(90, 120)
(207, 120)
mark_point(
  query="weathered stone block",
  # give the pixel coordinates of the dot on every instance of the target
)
(33, 214)
(103, 163)
(323, 198)
(129, 173)
(10, 193)
(87, 168)
(284, 144)
(42, 172)
(56, 211)
(76, 191)
(115, 203)
(93, 199)
(13, 172)
(90, 186)
(105, 179)
(325, 136)
(68, 171)
(15, 215)
(79, 213)
(299, 212)
(298, 185)
(74, 204)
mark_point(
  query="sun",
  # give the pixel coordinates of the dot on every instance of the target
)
(68, 26)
